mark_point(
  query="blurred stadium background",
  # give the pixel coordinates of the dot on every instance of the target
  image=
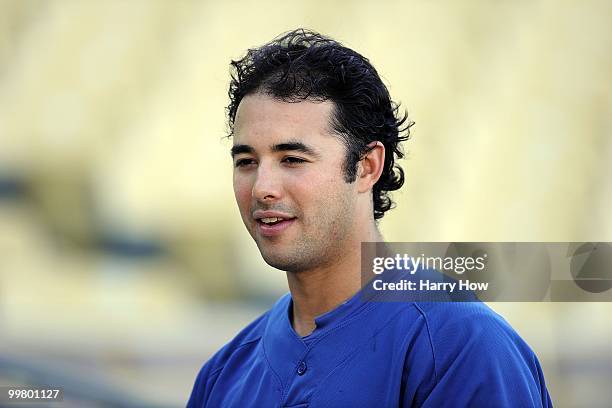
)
(123, 261)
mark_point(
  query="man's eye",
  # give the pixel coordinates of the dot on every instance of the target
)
(244, 162)
(293, 160)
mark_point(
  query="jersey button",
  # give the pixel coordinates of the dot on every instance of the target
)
(301, 368)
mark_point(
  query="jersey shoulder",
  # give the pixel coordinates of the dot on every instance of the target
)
(209, 372)
(475, 335)
(453, 326)
(469, 341)
(251, 333)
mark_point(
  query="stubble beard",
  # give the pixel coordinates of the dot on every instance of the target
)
(321, 243)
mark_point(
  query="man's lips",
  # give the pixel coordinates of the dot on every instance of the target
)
(272, 223)
(259, 214)
(272, 230)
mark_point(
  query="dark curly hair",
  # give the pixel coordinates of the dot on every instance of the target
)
(303, 64)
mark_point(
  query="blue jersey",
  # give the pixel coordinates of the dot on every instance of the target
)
(376, 354)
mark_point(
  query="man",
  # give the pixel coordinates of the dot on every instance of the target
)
(315, 139)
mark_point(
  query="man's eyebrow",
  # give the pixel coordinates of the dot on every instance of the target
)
(279, 147)
(240, 148)
(294, 146)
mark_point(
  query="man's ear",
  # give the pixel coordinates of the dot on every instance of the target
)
(371, 166)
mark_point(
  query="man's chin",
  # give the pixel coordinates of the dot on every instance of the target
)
(275, 260)
(282, 261)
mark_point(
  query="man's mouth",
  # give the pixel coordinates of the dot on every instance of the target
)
(273, 226)
(271, 220)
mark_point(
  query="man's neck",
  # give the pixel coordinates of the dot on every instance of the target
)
(320, 290)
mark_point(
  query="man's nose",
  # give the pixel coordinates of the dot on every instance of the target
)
(267, 184)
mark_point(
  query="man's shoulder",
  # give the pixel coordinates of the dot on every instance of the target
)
(255, 330)
(247, 337)
(457, 324)
(472, 331)
(468, 340)
(464, 320)
(250, 334)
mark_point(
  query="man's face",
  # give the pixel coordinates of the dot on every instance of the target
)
(289, 183)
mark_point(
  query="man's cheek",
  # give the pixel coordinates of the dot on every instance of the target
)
(242, 193)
